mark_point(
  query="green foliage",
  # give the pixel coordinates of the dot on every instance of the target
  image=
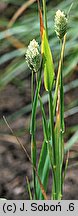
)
(48, 63)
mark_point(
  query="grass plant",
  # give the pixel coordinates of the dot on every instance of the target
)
(53, 144)
(44, 63)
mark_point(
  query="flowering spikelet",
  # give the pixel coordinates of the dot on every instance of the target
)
(33, 56)
(60, 24)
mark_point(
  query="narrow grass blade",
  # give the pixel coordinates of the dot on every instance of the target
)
(43, 165)
(65, 170)
(43, 169)
(29, 190)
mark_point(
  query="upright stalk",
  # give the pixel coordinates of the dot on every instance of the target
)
(33, 141)
(45, 17)
(58, 151)
(61, 120)
(32, 129)
(32, 87)
(51, 117)
(58, 75)
(61, 96)
(52, 124)
(59, 129)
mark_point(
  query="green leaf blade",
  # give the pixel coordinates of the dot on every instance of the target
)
(48, 63)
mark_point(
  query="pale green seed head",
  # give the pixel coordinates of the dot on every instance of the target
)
(33, 56)
(60, 24)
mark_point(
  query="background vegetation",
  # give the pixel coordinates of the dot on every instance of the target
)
(19, 23)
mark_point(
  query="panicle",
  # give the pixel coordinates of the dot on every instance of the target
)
(33, 56)
(60, 24)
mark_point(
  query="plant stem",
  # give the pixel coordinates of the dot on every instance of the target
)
(32, 128)
(45, 127)
(33, 141)
(59, 148)
(61, 96)
(32, 87)
(59, 130)
(45, 16)
(52, 124)
(58, 75)
(33, 156)
(61, 121)
(51, 117)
